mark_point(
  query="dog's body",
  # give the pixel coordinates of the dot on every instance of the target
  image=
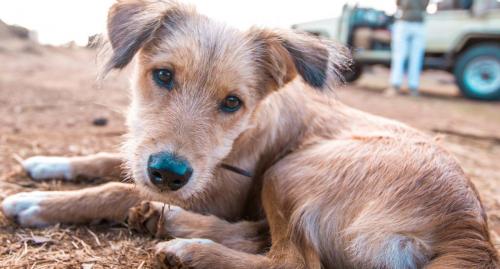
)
(332, 187)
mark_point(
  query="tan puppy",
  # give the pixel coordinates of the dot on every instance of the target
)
(248, 158)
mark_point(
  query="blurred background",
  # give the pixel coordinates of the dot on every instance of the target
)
(52, 104)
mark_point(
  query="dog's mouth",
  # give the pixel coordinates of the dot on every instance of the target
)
(236, 170)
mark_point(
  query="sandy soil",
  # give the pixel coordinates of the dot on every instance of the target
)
(49, 98)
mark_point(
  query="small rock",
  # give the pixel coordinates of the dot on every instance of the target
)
(87, 265)
(74, 148)
(38, 240)
(100, 121)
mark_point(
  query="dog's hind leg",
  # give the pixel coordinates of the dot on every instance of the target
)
(101, 165)
(110, 201)
(167, 221)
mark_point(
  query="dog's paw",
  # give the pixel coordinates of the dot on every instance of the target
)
(43, 168)
(151, 217)
(179, 253)
(24, 208)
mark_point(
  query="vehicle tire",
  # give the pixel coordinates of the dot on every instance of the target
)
(354, 73)
(477, 72)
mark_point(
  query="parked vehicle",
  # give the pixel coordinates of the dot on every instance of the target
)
(463, 37)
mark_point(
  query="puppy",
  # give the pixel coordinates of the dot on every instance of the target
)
(238, 150)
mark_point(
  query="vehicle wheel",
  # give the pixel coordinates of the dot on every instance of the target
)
(354, 73)
(477, 72)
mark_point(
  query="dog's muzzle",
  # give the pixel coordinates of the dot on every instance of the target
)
(167, 171)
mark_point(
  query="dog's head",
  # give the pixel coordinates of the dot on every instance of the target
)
(196, 84)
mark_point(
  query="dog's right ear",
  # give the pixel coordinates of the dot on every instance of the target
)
(133, 23)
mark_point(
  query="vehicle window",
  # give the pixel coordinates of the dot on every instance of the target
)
(475, 5)
(454, 4)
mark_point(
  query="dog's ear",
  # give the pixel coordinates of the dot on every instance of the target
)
(133, 23)
(285, 54)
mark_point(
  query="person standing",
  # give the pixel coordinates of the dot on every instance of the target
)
(408, 43)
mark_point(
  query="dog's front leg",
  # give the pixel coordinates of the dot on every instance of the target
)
(98, 165)
(110, 201)
(199, 253)
(167, 221)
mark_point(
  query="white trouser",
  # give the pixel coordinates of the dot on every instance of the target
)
(408, 39)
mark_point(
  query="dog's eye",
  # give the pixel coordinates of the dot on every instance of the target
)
(164, 78)
(230, 104)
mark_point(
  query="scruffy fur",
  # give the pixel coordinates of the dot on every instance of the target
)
(332, 187)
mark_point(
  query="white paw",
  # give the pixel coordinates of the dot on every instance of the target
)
(24, 208)
(43, 168)
(178, 245)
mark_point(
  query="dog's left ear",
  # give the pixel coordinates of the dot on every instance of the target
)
(285, 54)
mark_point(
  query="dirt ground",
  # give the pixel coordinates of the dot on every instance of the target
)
(49, 99)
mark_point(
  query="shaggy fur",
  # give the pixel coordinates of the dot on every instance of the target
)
(332, 187)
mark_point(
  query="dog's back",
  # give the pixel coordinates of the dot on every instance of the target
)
(375, 193)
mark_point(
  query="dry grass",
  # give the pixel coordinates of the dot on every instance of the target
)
(99, 245)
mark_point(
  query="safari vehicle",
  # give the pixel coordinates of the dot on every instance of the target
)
(463, 37)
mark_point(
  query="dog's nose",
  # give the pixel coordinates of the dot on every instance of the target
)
(168, 171)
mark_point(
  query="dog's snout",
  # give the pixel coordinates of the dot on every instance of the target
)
(168, 171)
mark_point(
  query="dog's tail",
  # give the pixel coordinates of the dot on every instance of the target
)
(465, 244)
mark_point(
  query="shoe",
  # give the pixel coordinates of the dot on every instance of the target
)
(414, 93)
(391, 92)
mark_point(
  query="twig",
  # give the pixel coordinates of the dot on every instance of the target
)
(95, 237)
(161, 221)
(17, 158)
